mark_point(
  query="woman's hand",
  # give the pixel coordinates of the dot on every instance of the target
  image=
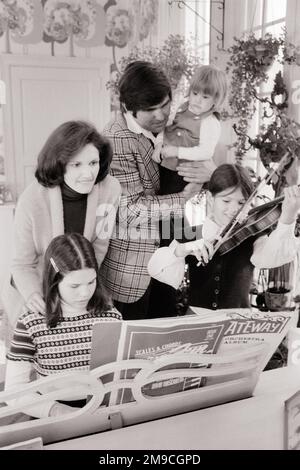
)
(35, 303)
(59, 409)
(290, 205)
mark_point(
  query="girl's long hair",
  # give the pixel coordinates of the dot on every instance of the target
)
(66, 253)
(231, 176)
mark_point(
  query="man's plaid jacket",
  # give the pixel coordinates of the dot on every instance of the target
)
(136, 236)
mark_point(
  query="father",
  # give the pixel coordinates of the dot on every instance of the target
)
(145, 98)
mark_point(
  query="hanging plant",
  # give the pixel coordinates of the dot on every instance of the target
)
(249, 61)
(278, 133)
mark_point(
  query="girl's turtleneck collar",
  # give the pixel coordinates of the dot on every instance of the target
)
(69, 194)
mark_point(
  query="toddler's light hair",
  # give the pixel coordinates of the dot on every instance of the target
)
(210, 80)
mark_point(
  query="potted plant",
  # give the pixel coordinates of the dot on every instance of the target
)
(249, 61)
(278, 295)
(280, 134)
(274, 139)
(272, 289)
(176, 58)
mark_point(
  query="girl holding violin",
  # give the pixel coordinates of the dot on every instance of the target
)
(221, 277)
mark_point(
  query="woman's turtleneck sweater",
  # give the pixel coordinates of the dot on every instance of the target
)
(74, 206)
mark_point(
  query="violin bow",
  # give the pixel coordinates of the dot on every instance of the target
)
(243, 211)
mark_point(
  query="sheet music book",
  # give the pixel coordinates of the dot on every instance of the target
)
(202, 331)
(168, 379)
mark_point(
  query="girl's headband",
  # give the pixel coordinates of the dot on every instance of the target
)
(54, 265)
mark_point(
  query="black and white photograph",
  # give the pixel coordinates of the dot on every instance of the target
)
(145, 321)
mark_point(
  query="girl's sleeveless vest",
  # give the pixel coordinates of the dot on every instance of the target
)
(183, 132)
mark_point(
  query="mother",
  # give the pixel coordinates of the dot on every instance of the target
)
(72, 185)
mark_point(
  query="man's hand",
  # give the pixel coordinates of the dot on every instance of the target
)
(290, 205)
(35, 303)
(196, 172)
(191, 190)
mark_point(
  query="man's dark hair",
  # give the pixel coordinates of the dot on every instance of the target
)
(142, 86)
(63, 144)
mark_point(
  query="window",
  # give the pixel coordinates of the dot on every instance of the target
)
(197, 26)
(261, 17)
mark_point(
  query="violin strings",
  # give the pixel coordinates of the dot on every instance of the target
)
(232, 224)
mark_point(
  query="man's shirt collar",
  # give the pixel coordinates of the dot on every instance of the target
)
(134, 126)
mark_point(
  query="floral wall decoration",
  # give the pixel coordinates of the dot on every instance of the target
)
(129, 20)
(21, 19)
(119, 23)
(74, 20)
(59, 27)
(128, 23)
(85, 23)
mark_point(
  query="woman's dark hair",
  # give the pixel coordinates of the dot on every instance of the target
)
(143, 85)
(66, 253)
(231, 176)
(63, 144)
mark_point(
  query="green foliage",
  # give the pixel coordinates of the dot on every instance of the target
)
(278, 133)
(176, 58)
(250, 58)
(274, 140)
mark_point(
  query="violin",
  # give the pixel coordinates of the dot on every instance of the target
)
(259, 218)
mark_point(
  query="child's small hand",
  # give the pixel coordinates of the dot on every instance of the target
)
(290, 205)
(202, 249)
(169, 151)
